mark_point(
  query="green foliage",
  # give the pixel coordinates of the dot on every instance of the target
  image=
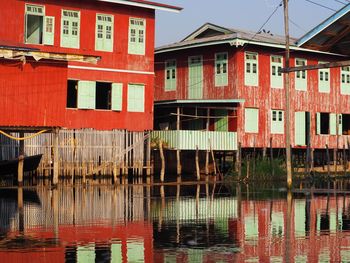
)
(262, 169)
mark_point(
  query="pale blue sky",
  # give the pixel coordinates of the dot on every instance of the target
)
(242, 14)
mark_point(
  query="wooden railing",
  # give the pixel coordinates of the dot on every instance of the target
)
(205, 140)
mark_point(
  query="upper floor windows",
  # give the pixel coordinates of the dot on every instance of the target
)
(277, 121)
(70, 29)
(345, 80)
(276, 75)
(170, 75)
(300, 76)
(39, 29)
(251, 69)
(221, 78)
(323, 80)
(104, 32)
(137, 36)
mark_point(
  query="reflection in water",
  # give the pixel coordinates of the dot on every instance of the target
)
(179, 223)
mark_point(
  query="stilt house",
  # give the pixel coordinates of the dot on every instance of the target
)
(228, 81)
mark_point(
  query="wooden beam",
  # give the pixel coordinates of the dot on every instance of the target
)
(336, 64)
(336, 39)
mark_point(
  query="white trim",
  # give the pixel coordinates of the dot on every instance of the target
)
(240, 42)
(112, 70)
(145, 5)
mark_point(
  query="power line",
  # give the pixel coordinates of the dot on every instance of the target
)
(318, 4)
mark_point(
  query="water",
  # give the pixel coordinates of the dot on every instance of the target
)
(180, 223)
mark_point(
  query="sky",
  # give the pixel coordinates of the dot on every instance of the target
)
(241, 14)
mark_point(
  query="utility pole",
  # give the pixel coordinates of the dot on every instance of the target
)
(287, 93)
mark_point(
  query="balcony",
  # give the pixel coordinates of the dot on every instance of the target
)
(205, 140)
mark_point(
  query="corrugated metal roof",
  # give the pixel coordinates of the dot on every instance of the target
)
(233, 34)
(146, 4)
(332, 35)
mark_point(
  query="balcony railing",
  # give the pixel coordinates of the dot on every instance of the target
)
(205, 140)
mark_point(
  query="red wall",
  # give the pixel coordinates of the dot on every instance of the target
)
(263, 97)
(12, 33)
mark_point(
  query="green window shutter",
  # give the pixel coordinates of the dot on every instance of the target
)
(221, 69)
(86, 94)
(300, 128)
(301, 76)
(170, 75)
(276, 77)
(332, 124)
(117, 96)
(136, 98)
(221, 124)
(49, 30)
(137, 36)
(104, 32)
(340, 124)
(195, 75)
(251, 72)
(70, 29)
(318, 123)
(323, 80)
(251, 122)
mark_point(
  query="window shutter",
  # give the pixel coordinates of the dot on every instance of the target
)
(99, 33)
(117, 96)
(221, 124)
(137, 36)
(318, 123)
(104, 32)
(86, 94)
(136, 98)
(340, 124)
(332, 124)
(251, 123)
(49, 30)
(70, 29)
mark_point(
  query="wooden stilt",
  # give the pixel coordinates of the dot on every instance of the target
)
(239, 161)
(335, 160)
(20, 171)
(148, 161)
(328, 161)
(162, 170)
(271, 159)
(197, 164)
(178, 152)
(20, 209)
(214, 162)
(55, 157)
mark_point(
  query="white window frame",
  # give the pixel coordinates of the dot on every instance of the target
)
(170, 75)
(345, 80)
(324, 79)
(70, 40)
(104, 34)
(300, 76)
(276, 76)
(250, 127)
(277, 122)
(221, 69)
(251, 69)
(136, 27)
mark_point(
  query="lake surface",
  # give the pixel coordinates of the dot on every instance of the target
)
(179, 223)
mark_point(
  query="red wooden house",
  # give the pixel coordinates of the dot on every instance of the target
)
(116, 93)
(228, 81)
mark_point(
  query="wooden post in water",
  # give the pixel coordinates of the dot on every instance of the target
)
(178, 152)
(239, 160)
(20, 170)
(148, 162)
(207, 151)
(55, 157)
(287, 90)
(345, 164)
(20, 209)
(162, 170)
(328, 161)
(197, 164)
(271, 159)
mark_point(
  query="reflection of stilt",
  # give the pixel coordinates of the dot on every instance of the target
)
(54, 205)
(162, 195)
(197, 200)
(20, 209)
(148, 190)
(239, 200)
(178, 190)
(288, 256)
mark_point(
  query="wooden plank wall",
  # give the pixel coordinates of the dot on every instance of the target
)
(84, 151)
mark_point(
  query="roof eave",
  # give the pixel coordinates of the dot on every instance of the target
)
(198, 101)
(149, 5)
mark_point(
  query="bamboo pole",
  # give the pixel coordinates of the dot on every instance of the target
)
(178, 152)
(197, 164)
(55, 158)
(20, 170)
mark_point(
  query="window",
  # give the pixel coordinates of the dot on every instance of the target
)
(170, 75)
(326, 123)
(251, 122)
(39, 29)
(94, 95)
(300, 76)
(344, 124)
(251, 69)
(345, 80)
(221, 78)
(104, 32)
(70, 29)
(277, 122)
(72, 93)
(323, 80)
(136, 98)
(137, 36)
(276, 75)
